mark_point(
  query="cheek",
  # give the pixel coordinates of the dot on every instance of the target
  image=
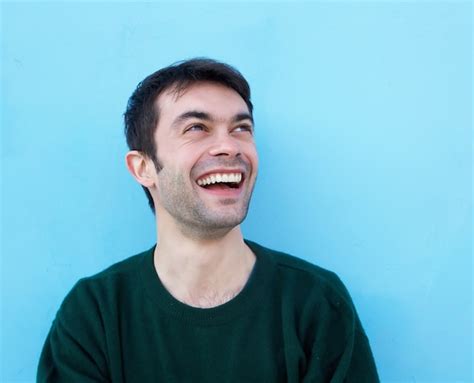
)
(172, 182)
(253, 156)
(178, 159)
(189, 152)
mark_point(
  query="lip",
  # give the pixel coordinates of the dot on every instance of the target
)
(225, 192)
(223, 171)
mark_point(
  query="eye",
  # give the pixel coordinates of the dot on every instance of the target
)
(244, 128)
(195, 128)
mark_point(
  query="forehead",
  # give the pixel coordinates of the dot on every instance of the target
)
(215, 99)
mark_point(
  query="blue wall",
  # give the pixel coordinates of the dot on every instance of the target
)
(363, 118)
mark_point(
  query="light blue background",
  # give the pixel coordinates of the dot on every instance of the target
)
(363, 118)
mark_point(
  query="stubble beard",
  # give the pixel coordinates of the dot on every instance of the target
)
(194, 218)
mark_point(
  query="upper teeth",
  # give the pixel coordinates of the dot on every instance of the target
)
(220, 177)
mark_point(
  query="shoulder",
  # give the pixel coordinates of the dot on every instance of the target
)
(108, 285)
(313, 301)
(299, 277)
(122, 269)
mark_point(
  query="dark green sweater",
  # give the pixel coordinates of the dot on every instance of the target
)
(292, 322)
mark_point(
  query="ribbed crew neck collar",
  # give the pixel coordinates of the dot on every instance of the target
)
(253, 293)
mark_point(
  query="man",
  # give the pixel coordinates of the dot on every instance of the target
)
(203, 305)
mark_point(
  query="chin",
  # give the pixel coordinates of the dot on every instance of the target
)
(223, 222)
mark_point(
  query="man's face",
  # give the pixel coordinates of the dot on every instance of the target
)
(209, 161)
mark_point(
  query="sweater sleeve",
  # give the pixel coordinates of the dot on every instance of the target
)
(341, 353)
(73, 350)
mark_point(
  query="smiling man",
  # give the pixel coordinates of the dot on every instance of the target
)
(203, 304)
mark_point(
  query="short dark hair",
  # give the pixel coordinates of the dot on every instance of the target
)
(141, 115)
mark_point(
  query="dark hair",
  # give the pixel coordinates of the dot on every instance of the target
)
(141, 116)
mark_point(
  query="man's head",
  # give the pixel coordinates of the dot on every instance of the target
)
(187, 125)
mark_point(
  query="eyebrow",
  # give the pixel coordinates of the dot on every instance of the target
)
(242, 116)
(207, 117)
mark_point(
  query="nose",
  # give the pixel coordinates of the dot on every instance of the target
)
(225, 145)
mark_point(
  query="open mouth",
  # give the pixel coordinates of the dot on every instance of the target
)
(221, 181)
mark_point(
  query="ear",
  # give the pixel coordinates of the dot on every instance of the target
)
(141, 168)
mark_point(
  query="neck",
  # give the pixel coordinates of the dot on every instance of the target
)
(202, 272)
